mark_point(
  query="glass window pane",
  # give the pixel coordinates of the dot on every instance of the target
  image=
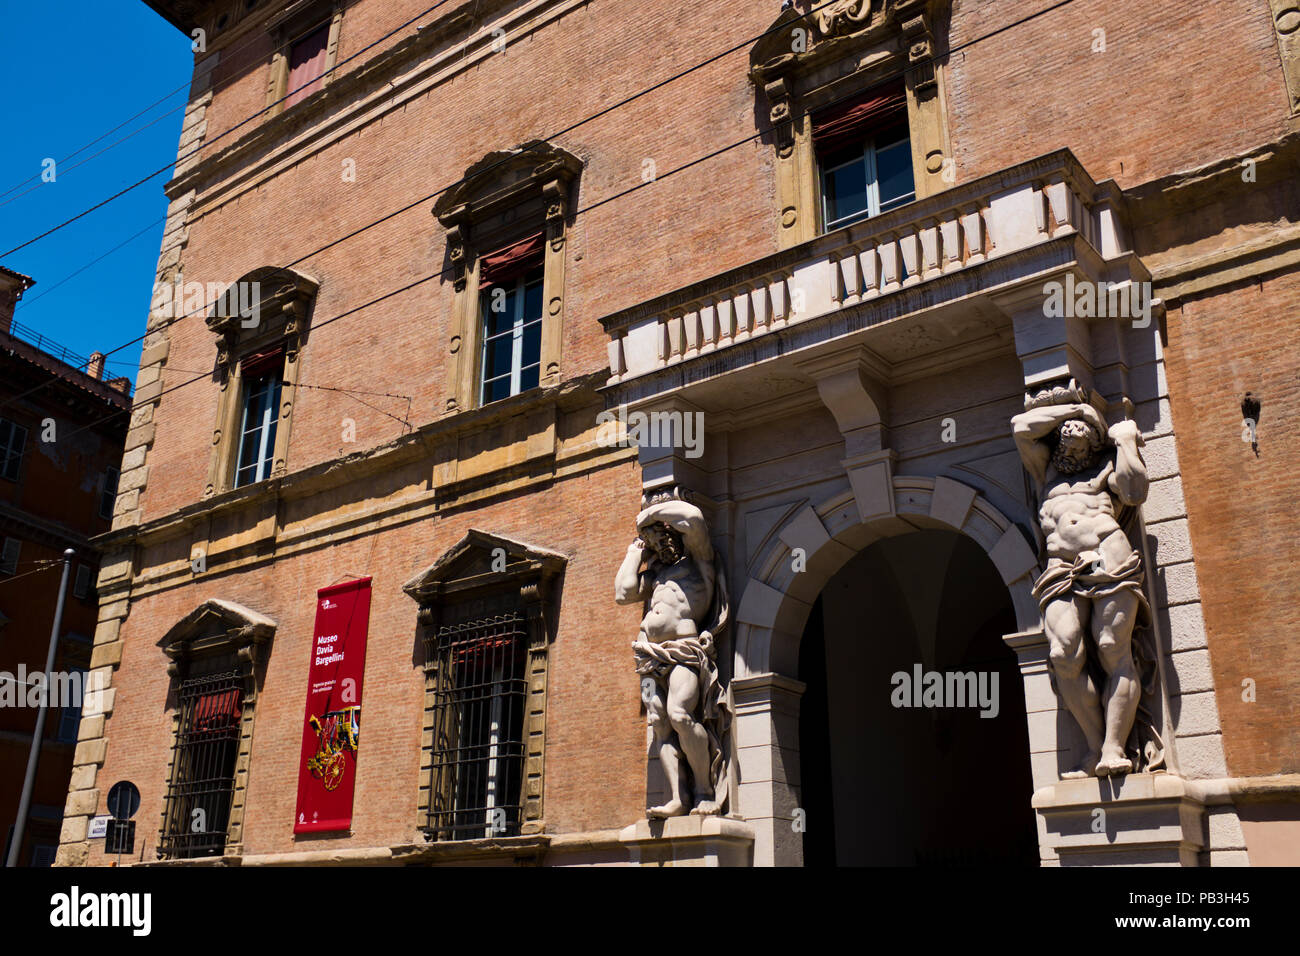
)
(532, 353)
(846, 191)
(496, 389)
(529, 378)
(533, 300)
(894, 175)
(498, 309)
(496, 360)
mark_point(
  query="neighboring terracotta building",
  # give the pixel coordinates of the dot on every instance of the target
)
(835, 245)
(61, 432)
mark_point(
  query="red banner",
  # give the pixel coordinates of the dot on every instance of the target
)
(331, 733)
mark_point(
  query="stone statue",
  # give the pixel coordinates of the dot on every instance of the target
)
(672, 568)
(1086, 474)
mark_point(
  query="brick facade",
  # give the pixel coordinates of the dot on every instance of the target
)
(412, 114)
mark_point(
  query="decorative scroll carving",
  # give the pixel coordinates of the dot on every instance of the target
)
(843, 16)
(1089, 477)
(671, 567)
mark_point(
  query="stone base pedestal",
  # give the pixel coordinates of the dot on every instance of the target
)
(689, 841)
(1141, 819)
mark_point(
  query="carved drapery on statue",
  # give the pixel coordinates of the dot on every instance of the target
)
(672, 568)
(1091, 480)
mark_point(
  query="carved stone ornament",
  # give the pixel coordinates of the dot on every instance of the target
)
(1090, 479)
(672, 570)
(265, 299)
(217, 628)
(499, 181)
(843, 16)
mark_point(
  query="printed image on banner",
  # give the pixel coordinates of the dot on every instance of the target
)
(331, 735)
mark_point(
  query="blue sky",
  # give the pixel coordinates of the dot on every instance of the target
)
(71, 71)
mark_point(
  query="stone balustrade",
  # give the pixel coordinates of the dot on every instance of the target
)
(1009, 211)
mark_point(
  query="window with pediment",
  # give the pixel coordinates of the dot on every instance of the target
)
(487, 618)
(261, 326)
(507, 222)
(215, 652)
(854, 90)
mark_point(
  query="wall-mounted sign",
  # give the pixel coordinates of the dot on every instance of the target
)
(98, 827)
(331, 733)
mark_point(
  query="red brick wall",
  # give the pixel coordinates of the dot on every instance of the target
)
(1241, 508)
(594, 770)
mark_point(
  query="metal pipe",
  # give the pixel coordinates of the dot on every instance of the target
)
(34, 757)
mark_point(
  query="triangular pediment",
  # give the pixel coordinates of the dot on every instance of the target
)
(215, 625)
(481, 559)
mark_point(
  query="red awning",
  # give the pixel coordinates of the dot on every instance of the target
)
(512, 261)
(217, 711)
(856, 120)
(267, 362)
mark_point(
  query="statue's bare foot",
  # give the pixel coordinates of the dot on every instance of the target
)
(707, 808)
(1113, 763)
(673, 808)
(1087, 768)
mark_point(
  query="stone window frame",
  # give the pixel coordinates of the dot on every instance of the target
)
(492, 203)
(219, 630)
(285, 302)
(849, 47)
(299, 20)
(465, 572)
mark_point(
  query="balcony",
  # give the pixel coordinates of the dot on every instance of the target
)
(943, 257)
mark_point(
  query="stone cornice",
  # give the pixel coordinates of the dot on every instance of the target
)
(361, 95)
(317, 479)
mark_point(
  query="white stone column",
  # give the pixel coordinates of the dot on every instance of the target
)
(766, 735)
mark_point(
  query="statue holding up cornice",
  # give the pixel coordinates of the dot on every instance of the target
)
(1090, 594)
(672, 569)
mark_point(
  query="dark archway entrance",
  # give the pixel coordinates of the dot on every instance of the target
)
(908, 785)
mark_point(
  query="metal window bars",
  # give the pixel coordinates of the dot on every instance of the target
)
(480, 688)
(197, 812)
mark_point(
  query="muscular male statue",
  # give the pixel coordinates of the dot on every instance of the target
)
(671, 566)
(1086, 473)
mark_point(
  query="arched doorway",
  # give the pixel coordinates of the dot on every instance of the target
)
(888, 782)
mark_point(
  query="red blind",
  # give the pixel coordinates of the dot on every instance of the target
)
(257, 364)
(512, 261)
(854, 121)
(217, 711)
(307, 64)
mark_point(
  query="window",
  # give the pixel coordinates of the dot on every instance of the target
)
(108, 495)
(12, 439)
(307, 64)
(305, 36)
(9, 556)
(865, 157)
(258, 364)
(512, 332)
(262, 374)
(81, 586)
(478, 749)
(43, 854)
(867, 180)
(855, 97)
(70, 717)
(487, 627)
(507, 224)
(197, 812)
